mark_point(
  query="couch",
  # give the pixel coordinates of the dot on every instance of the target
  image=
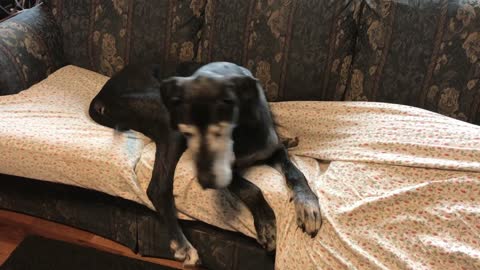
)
(418, 53)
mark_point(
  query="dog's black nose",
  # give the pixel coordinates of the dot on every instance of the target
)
(97, 111)
(98, 106)
(207, 186)
(206, 180)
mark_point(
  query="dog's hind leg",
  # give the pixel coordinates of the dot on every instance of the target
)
(263, 215)
(307, 208)
(160, 193)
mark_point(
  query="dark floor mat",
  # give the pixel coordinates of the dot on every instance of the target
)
(38, 253)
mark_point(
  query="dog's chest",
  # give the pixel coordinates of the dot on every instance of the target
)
(254, 146)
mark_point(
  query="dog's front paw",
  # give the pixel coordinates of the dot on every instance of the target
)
(307, 209)
(185, 253)
(266, 229)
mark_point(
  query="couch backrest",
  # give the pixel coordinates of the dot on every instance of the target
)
(105, 35)
(298, 49)
(423, 53)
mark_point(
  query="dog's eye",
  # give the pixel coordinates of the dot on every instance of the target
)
(228, 101)
(187, 134)
(176, 101)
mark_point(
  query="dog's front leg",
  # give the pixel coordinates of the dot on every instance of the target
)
(263, 215)
(160, 192)
(307, 208)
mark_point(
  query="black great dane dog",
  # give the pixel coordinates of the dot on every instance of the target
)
(221, 114)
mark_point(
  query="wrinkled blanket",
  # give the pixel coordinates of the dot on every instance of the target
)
(399, 187)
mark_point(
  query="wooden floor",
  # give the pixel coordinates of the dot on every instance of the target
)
(15, 227)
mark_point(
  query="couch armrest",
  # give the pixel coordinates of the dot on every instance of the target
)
(30, 49)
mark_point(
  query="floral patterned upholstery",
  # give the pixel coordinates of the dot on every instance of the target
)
(300, 50)
(104, 36)
(30, 49)
(420, 53)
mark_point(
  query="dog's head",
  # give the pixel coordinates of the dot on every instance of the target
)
(206, 111)
(129, 100)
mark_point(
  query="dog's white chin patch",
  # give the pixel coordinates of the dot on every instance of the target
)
(218, 138)
(223, 173)
(220, 144)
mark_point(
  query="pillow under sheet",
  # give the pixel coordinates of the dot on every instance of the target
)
(47, 134)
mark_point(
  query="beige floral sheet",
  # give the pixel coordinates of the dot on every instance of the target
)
(399, 187)
(46, 134)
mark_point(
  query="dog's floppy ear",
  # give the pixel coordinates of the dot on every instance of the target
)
(171, 92)
(143, 105)
(246, 88)
(172, 97)
(157, 72)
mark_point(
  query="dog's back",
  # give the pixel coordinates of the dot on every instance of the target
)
(222, 69)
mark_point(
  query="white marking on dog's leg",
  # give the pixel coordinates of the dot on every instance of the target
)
(173, 245)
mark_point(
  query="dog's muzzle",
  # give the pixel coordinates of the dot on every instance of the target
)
(209, 180)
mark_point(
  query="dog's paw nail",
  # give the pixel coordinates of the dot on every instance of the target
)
(179, 255)
(266, 233)
(192, 259)
(187, 253)
(308, 213)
